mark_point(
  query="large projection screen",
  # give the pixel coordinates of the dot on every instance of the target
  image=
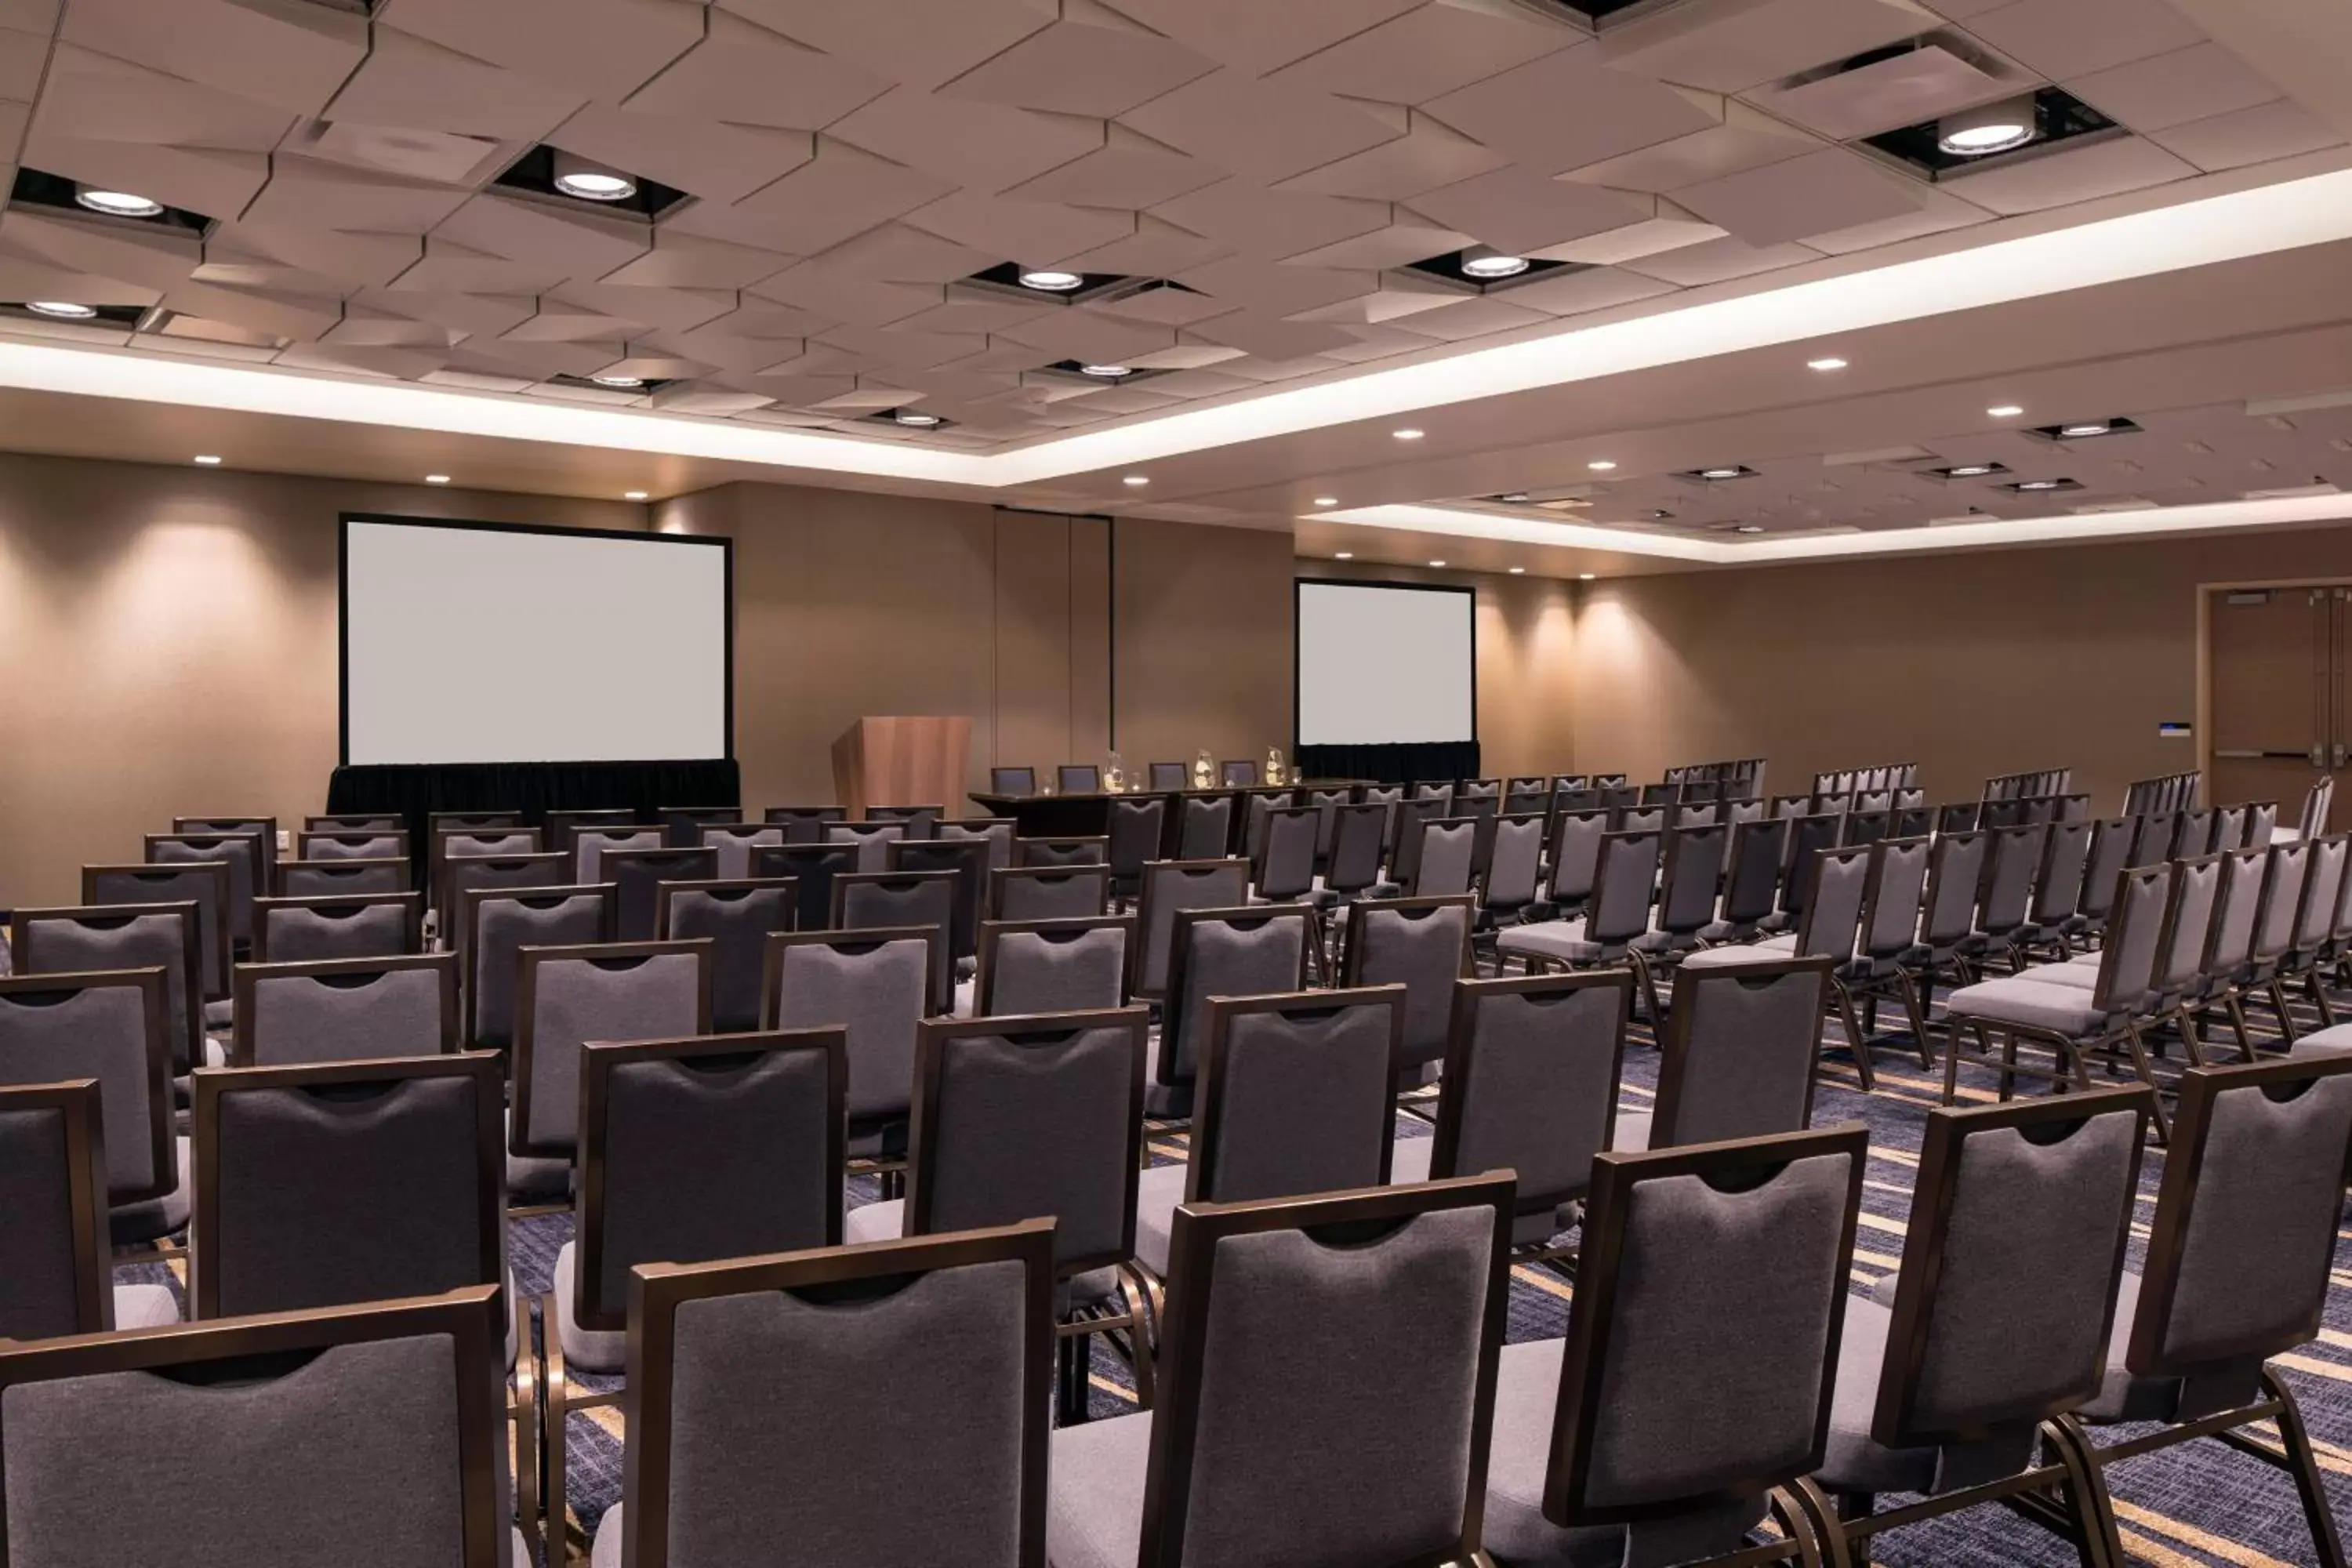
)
(1385, 664)
(491, 643)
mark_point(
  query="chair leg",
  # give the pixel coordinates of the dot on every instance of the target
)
(2008, 1062)
(2184, 1020)
(2100, 1543)
(2238, 1022)
(2303, 1464)
(1916, 1011)
(1073, 1362)
(2147, 1075)
(1141, 1358)
(1649, 980)
(558, 1507)
(1854, 1036)
(2319, 998)
(1952, 1065)
(1819, 1520)
(2278, 1005)
(527, 1425)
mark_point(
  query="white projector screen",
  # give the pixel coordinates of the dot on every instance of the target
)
(482, 643)
(1383, 663)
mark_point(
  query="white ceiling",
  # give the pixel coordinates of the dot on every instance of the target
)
(846, 162)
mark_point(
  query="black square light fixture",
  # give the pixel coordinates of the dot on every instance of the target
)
(1722, 473)
(1051, 285)
(1969, 139)
(73, 313)
(1482, 269)
(2085, 429)
(1092, 374)
(35, 189)
(1971, 470)
(563, 176)
(2042, 487)
(914, 419)
(634, 385)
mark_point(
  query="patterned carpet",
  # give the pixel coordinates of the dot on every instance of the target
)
(2198, 1506)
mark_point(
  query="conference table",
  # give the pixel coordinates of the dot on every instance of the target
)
(1086, 814)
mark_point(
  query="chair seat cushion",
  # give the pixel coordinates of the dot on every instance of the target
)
(1158, 1191)
(1094, 1510)
(134, 1223)
(144, 1307)
(601, 1351)
(1409, 1163)
(218, 1012)
(2031, 1003)
(2125, 1397)
(965, 992)
(1527, 1393)
(1166, 1101)
(1771, 950)
(1562, 939)
(2082, 978)
(886, 1222)
(1632, 1132)
(2336, 1038)
(1857, 1462)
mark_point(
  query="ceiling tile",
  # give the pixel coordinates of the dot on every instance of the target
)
(1519, 113)
(1398, 245)
(436, 157)
(702, 157)
(1906, 89)
(1091, 61)
(363, 359)
(23, 57)
(584, 244)
(1156, 250)
(1746, 139)
(982, 147)
(1269, 337)
(485, 314)
(1086, 336)
(1276, 289)
(1400, 294)
(904, 349)
(2067, 38)
(363, 327)
(1589, 289)
(750, 76)
(450, 267)
(406, 80)
(2069, 175)
(1727, 48)
(1940, 211)
(1823, 191)
(895, 253)
(1514, 211)
(974, 315)
(25, 278)
(1671, 229)
(303, 192)
(1718, 260)
(857, 301)
(554, 323)
(1475, 319)
(2164, 90)
(1256, 128)
(1036, 234)
(290, 57)
(650, 306)
(922, 43)
(1167, 307)
(601, 48)
(89, 97)
(842, 191)
(2248, 136)
(1258, 36)
(1248, 217)
(194, 179)
(31, 16)
(1427, 155)
(1129, 170)
(1429, 51)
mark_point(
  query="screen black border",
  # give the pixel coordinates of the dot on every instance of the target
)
(343, 608)
(1299, 584)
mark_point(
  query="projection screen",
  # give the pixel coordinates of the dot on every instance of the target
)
(491, 643)
(1385, 663)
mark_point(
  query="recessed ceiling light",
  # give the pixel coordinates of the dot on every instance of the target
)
(1343, 556)
(1437, 564)
(1584, 576)
(1408, 434)
(1994, 128)
(437, 478)
(1750, 527)
(914, 420)
(1516, 497)
(622, 382)
(635, 495)
(1327, 500)
(1052, 280)
(1138, 481)
(1718, 473)
(64, 310)
(2039, 484)
(2004, 411)
(116, 204)
(1601, 465)
(1828, 363)
(208, 460)
(1973, 470)
(1107, 372)
(1518, 571)
(576, 176)
(2101, 428)
(1488, 265)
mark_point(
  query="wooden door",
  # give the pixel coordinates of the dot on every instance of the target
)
(2280, 701)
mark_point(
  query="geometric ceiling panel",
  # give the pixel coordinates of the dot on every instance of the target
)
(923, 43)
(2067, 38)
(1091, 61)
(1831, 189)
(1728, 48)
(599, 48)
(292, 58)
(1256, 128)
(1426, 156)
(1261, 36)
(1429, 51)
(748, 76)
(409, 82)
(1519, 113)
(705, 158)
(979, 146)
(1514, 211)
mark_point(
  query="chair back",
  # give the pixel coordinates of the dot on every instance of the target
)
(639, 875)
(344, 1010)
(236, 851)
(1134, 837)
(2153, 843)
(1640, 819)
(1532, 1068)
(357, 822)
(1832, 924)
(2231, 938)
(339, 879)
(2135, 937)
(453, 841)
(1054, 966)
(967, 860)
(684, 824)
(885, 901)
(699, 1149)
(1077, 778)
(804, 823)
(1513, 864)
(1168, 776)
(1028, 1118)
(1284, 867)
(57, 1257)
(1894, 891)
(1048, 893)
(352, 846)
(1094, 851)
(1862, 829)
(1256, 951)
(497, 923)
(735, 841)
(330, 1185)
(2017, 1206)
(1955, 872)
(1404, 842)
(995, 832)
(2112, 838)
(811, 868)
(2229, 828)
(1619, 910)
(2323, 888)
(1013, 781)
(736, 916)
(797, 1338)
(204, 884)
(875, 985)
(2317, 803)
(1693, 879)
(1960, 817)
(1357, 833)
(1808, 837)
(1704, 1269)
(2282, 880)
(871, 839)
(1422, 945)
(464, 874)
(2191, 835)
(367, 925)
(2009, 878)
(2188, 928)
(2262, 820)
(1204, 826)
(2058, 881)
(1297, 1095)
(567, 996)
(1382, 1312)
(563, 828)
(110, 1027)
(1739, 1050)
(922, 821)
(98, 937)
(388, 1413)
(1751, 888)
(1169, 887)
(1576, 839)
(2244, 1238)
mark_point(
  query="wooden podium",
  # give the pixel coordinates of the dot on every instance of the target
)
(902, 762)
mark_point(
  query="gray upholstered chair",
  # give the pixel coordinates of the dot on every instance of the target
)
(124, 936)
(264, 1442)
(1259, 951)
(2229, 831)
(1737, 1056)
(1616, 912)
(769, 1397)
(1691, 1397)
(875, 985)
(811, 868)
(344, 1009)
(1358, 833)
(563, 828)
(1255, 805)
(1392, 796)
(202, 883)
(1048, 893)
(1168, 776)
(1423, 945)
(438, 822)
(2284, 874)
(804, 823)
(872, 838)
(1294, 1097)
(1532, 1068)
(239, 852)
(358, 822)
(735, 841)
(2112, 841)
(1136, 827)
(110, 1027)
(1204, 826)
(1751, 881)
(2191, 835)
(882, 900)
(496, 923)
(1810, 833)
(1894, 892)
(1077, 778)
(351, 847)
(1078, 965)
(684, 824)
(2237, 1272)
(364, 925)
(1955, 1368)
(2228, 938)
(590, 845)
(2262, 824)
(1035, 1117)
(921, 821)
(639, 874)
(1575, 852)
(736, 916)
(1383, 1313)
(2311, 937)
(1169, 887)
(1947, 919)
(1406, 820)
(462, 874)
(56, 1260)
(1018, 781)
(996, 832)
(2005, 905)
(1327, 804)
(1283, 869)
(339, 879)
(566, 996)
(1083, 850)
(690, 1150)
(1445, 859)
(1513, 868)
(967, 860)
(449, 842)
(2058, 879)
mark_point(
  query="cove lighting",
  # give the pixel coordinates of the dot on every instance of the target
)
(64, 310)
(1052, 280)
(118, 204)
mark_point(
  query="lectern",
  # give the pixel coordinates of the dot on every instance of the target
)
(902, 762)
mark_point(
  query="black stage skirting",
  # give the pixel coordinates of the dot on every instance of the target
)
(1435, 762)
(415, 790)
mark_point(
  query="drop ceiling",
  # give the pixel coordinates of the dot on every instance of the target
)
(848, 164)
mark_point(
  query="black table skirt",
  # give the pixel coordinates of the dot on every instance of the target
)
(416, 790)
(1435, 762)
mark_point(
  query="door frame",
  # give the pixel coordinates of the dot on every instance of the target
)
(2205, 592)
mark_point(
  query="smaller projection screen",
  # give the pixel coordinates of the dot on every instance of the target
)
(488, 643)
(1385, 664)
